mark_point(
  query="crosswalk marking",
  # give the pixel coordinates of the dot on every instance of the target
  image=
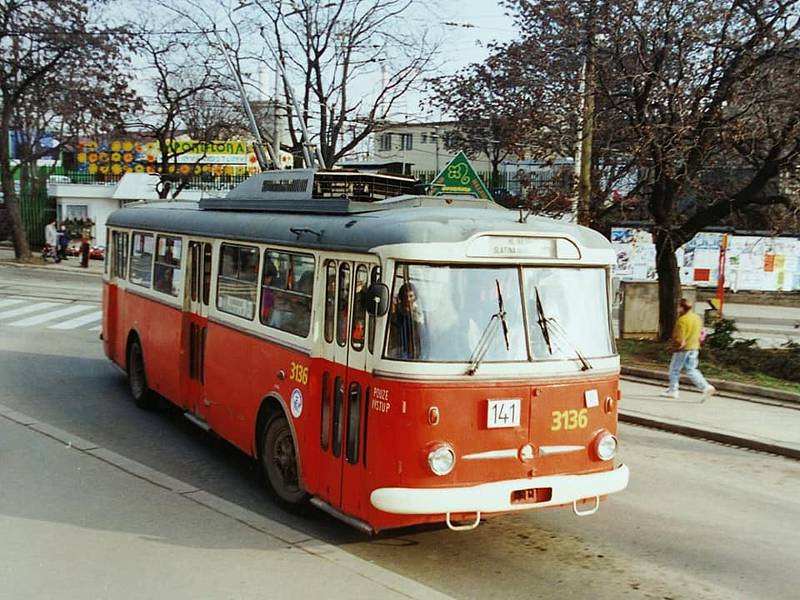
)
(10, 302)
(78, 321)
(23, 310)
(52, 315)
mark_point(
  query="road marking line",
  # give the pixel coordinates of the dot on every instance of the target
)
(98, 328)
(23, 310)
(50, 316)
(10, 302)
(78, 321)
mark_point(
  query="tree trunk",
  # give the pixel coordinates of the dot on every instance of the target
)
(22, 249)
(669, 284)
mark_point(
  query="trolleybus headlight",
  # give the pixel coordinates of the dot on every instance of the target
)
(442, 459)
(605, 446)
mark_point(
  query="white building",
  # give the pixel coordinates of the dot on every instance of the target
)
(96, 201)
(421, 146)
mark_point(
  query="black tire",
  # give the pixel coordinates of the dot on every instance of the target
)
(143, 396)
(279, 463)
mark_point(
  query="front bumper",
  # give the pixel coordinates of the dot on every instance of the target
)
(496, 496)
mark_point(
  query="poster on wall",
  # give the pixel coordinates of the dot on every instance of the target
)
(752, 263)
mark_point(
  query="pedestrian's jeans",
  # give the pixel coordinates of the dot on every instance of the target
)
(687, 360)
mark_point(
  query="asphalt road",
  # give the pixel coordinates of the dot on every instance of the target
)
(699, 520)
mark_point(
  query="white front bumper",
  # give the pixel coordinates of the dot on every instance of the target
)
(496, 496)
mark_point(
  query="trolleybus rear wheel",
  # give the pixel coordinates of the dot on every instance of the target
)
(279, 462)
(143, 397)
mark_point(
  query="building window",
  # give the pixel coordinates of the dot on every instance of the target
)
(76, 211)
(424, 138)
(406, 141)
(385, 142)
(237, 281)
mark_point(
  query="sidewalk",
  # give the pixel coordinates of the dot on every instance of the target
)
(741, 415)
(79, 521)
(71, 265)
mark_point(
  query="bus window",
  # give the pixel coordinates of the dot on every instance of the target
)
(343, 304)
(286, 291)
(353, 422)
(330, 299)
(375, 277)
(142, 259)
(167, 272)
(359, 309)
(206, 273)
(325, 425)
(236, 280)
(120, 254)
(338, 401)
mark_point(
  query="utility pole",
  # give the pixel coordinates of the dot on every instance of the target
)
(436, 139)
(276, 140)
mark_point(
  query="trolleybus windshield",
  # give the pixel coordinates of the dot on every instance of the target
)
(447, 313)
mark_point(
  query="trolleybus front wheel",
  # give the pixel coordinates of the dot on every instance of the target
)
(143, 397)
(279, 462)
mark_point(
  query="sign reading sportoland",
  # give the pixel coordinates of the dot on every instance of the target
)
(458, 177)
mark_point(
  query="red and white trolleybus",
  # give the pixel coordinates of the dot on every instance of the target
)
(398, 361)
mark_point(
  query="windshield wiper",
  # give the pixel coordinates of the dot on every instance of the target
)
(485, 341)
(501, 312)
(585, 365)
(542, 321)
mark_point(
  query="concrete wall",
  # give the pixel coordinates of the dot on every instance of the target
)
(638, 317)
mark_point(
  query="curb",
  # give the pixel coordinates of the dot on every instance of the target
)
(720, 384)
(302, 541)
(714, 436)
(74, 270)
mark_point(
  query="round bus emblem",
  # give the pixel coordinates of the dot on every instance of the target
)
(297, 403)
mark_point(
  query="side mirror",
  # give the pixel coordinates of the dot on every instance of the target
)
(377, 299)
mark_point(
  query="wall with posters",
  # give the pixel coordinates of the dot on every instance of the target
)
(751, 262)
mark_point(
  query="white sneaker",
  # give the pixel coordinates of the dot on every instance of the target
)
(669, 394)
(709, 391)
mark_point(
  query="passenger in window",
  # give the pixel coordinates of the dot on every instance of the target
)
(267, 295)
(359, 312)
(163, 279)
(406, 322)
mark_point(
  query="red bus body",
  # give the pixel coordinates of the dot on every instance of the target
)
(386, 416)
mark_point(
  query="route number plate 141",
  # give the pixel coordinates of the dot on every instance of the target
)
(503, 413)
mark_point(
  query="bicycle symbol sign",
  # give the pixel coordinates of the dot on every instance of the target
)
(458, 172)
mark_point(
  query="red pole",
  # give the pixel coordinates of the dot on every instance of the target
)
(721, 279)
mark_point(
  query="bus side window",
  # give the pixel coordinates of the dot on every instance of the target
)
(375, 277)
(167, 271)
(330, 299)
(359, 309)
(142, 258)
(206, 273)
(237, 280)
(343, 304)
(119, 240)
(287, 285)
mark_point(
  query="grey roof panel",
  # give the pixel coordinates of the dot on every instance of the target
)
(409, 219)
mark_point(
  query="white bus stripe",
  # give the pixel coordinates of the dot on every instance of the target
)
(23, 310)
(10, 302)
(78, 321)
(52, 315)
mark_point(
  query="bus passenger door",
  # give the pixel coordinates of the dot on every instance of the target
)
(195, 327)
(338, 276)
(356, 397)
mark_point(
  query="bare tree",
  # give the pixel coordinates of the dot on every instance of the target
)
(696, 106)
(188, 98)
(353, 60)
(60, 65)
